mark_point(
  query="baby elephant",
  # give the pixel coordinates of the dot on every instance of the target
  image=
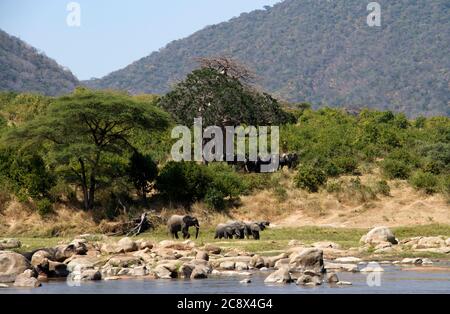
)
(178, 223)
(230, 229)
(254, 228)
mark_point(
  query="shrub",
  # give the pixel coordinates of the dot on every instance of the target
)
(183, 181)
(382, 187)
(214, 199)
(225, 180)
(334, 186)
(310, 178)
(280, 193)
(346, 165)
(395, 169)
(44, 207)
(424, 181)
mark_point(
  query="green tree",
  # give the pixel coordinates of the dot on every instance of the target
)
(142, 171)
(87, 134)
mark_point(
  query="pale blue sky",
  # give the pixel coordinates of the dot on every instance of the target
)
(113, 33)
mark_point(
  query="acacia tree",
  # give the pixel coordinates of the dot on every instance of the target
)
(87, 135)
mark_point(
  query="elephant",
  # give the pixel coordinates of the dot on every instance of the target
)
(224, 231)
(230, 229)
(178, 223)
(288, 160)
(254, 228)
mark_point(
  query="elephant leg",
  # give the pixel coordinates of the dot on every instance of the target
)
(175, 235)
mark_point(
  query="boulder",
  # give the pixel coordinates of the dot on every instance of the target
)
(430, 242)
(85, 275)
(81, 263)
(341, 267)
(124, 261)
(272, 260)
(126, 245)
(228, 265)
(64, 252)
(186, 270)
(143, 244)
(326, 245)
(378, 235)
(11, 265)
(212, 249)
(163, 272)
(57, 270)
(40, 260)
(140, 271)
(308, 280)
(202, 255)
(349, 259)
(257, 261)
(109, 248)
(181, 246)
(308, 259)
(284, 262)
(27, 280)
(332, 278)
(415, 261)
(8, 244)
(281, 276)
(200, 272)
(241, 266)
(109, 271)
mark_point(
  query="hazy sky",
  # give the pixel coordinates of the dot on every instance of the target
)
(113, 33)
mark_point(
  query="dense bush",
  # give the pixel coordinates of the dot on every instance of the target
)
(425, 181)
(215, 199)
(44, 207)
(395, 169)
(310, 178)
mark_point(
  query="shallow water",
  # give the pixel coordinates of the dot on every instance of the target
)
(395, 279)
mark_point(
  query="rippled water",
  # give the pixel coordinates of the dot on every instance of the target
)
(394, 279)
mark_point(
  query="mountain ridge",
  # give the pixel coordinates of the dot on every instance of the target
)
(320, 52)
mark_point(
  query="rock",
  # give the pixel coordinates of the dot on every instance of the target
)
(245, 281)
(199, 272)
(202, 255)
(8, 244)
(181, 246)
(27, 280)
(212, 249)
(280, 276)
(326, 245)
(109, 271)
(126, 245)
(124, 261)
(295, 243)
(186, 270)
(284, 262)
(142, 245)
(2, 285)
(57, 270)
(378, 235)
(430, 242)
(332, 278)
(264, 269)
(415, 261)
(85, 275)
(241, 266)
(125, 272)
(81, 263)
(11, 265)
(383, 245)
(344, 283)
(427, 261)
(140, 271)
(230, 265)
(271, 260)
(341, 267)
(40, 260)
(447, 242)
(308, 280)
(349, 259)
(257, 262)
(308, 259)
(144, 255)
(162, 272)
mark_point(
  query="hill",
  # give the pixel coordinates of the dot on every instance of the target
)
(321, 52)
(24, 69)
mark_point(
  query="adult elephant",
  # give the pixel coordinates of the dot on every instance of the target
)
(254, 228)
(178, 223)
(224, 231)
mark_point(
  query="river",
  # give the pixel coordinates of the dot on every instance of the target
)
(395, 279)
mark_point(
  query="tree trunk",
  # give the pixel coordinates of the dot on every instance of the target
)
(84, 184)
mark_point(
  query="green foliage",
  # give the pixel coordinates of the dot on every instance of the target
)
(142, 171)
(313, 51)
(87, 136)
(425, 181)
(310, 178)
(395, 169)
(220, 99)
(44, 207)
(214, 199)
(382, 187)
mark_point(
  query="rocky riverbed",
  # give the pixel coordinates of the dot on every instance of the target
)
(91, 258)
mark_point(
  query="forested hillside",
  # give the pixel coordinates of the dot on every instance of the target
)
(24, 69)
(322, 52)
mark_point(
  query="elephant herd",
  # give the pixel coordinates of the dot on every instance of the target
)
(229, 230)
(286, 160)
